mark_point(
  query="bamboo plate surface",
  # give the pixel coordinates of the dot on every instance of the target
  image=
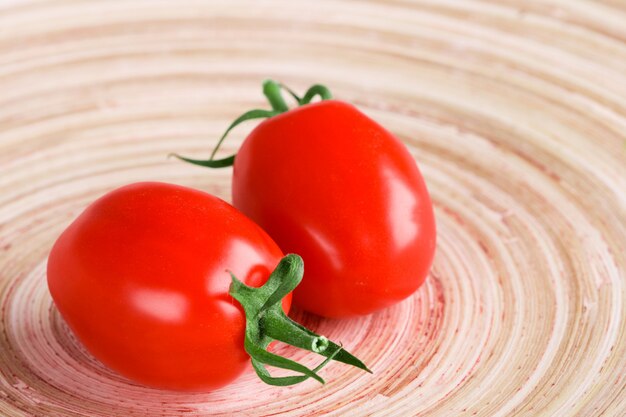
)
(515, 111)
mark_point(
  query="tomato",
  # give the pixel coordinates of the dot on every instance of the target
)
(329, 183)
(175, 288)
(140, 277)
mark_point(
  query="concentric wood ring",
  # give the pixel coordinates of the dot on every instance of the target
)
(514, 110)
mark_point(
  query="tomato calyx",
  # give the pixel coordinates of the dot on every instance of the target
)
(267, 322)
(273, 92)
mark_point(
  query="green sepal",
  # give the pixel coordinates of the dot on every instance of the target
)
(272, 91)
(316, 90)
(249, 115)
(210, 163)
(266, 322)
(228, 161)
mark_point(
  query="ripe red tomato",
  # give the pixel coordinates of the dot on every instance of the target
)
(327, 182)
(140, 277)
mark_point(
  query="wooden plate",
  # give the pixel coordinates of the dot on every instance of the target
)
(515, 111)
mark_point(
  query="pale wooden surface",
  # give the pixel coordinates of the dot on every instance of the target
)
(515, 111)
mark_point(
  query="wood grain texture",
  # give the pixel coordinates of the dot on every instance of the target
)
(515, 111)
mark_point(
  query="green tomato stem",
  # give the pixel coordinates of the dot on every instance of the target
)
(266, 322)
(273, 92)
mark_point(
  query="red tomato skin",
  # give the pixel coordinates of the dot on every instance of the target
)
(330, 184)
(140, 277)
